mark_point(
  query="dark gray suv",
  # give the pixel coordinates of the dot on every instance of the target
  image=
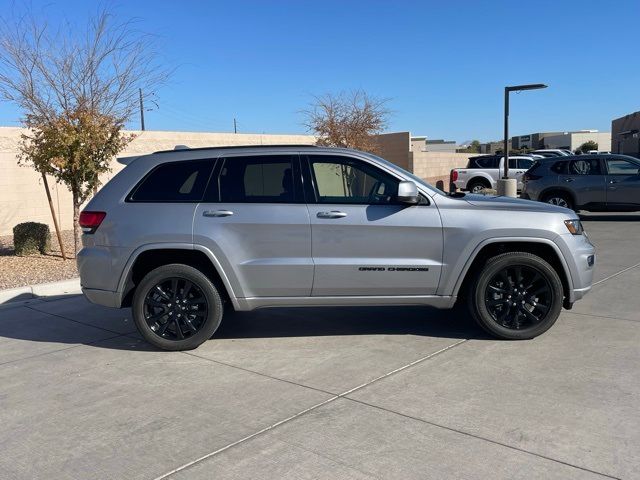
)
(585, 182)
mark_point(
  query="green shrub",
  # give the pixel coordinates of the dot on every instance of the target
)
(31, 237)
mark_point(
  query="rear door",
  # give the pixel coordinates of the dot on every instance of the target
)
(363, 241)
(255, 221)
(585, 178)
(623, 183)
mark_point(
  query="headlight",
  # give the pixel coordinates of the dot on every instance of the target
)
(574, 226)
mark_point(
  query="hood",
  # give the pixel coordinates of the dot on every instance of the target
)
(493, 202)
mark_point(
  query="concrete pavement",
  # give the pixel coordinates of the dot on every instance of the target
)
(330, 393)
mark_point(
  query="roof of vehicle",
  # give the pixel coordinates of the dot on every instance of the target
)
(179, 148)
(589, 156)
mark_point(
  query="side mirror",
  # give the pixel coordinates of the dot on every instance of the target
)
(408, 193)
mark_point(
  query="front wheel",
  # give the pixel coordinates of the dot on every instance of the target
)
(176, 307)
(516, 296)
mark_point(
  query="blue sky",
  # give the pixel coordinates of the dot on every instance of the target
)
(443, 65)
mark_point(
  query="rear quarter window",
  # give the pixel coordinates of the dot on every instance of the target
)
(174, 182)
(559, 167)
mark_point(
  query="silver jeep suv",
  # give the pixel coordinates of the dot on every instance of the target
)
(178, 234)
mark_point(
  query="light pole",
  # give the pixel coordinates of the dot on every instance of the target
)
(507, 186)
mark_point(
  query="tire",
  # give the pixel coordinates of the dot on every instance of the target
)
(560, 199)
(498, 305)
(176, 307)
(475, 186)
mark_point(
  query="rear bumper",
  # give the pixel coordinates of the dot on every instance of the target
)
(106, 298)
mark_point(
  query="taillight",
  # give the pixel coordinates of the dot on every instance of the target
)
(454, 175)
(530, 176)
(90, 221)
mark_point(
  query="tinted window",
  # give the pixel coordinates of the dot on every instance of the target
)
(257, 179)
(617, 166)
(345, 180)
(525, 163)
(488, 162)
(175, 182)
(585, 167)
(559, 167)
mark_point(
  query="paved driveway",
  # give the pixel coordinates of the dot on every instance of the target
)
(330, 393)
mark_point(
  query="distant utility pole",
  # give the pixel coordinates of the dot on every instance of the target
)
(141, 110)
(235, 126)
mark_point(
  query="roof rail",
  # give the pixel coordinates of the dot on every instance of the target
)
(232, 147)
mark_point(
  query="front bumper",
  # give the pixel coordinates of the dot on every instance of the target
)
(580, 255)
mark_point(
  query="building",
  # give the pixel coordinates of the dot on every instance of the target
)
(23, 199)
(565, 140)
(625, 135)
(491, 148)
(531, 141)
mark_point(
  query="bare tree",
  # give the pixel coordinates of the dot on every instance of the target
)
(348, 120)
(76, 89)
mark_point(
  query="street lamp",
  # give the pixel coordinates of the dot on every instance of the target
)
(502, 185)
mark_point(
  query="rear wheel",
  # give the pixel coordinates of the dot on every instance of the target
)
(476, 186)
(516, 296)
(560, 199)
(176, 307)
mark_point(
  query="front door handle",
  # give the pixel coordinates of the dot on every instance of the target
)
(332, 214)
(613, 181)
(217, 213)
(569, 179)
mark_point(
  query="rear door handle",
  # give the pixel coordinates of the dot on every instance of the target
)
(332, 214)
(613, 181)
(217, 213)
(568, 179)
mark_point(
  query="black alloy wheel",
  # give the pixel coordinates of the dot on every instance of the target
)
(518, 297)
(175, 308)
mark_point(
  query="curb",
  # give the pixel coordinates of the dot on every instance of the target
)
(40, 292)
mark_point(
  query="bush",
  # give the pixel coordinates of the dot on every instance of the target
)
(31, 237)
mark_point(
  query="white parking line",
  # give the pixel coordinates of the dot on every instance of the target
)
(616, 274)
(307, 410)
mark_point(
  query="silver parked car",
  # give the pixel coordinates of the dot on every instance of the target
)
(177, 234)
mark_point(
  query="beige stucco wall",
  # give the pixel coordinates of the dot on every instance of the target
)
(22, 195)
(436, 166)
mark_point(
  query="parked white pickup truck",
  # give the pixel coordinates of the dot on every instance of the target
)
(483, 171)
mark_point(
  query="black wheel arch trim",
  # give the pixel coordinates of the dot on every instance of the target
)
(126, 285)
(565, 275)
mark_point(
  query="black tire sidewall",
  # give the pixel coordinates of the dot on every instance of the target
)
(214, 305)
(493, 266)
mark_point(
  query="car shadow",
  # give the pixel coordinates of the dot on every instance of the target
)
(26, 324)
(339, 321)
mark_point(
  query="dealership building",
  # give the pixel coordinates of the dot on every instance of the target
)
(625, 135)
(565, 140)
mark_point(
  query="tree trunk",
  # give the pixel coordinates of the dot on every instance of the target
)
(77, 233)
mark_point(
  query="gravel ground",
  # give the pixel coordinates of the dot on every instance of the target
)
(20, 271)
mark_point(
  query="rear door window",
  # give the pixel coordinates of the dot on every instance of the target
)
(585, 167)
(258, 179)
(174, 182)
(559, 167)
(525, 163)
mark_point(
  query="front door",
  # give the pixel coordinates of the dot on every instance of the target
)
(623, 184)
(363, 241)
(255, 221)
